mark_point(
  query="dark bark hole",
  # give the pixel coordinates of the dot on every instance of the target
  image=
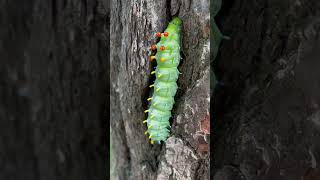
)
(147, 91)
(168, 8)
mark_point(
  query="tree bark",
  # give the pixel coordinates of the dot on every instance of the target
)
(53, 89)
(185, 153)
(268, 114)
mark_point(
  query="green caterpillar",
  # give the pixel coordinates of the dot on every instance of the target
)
(165, 86)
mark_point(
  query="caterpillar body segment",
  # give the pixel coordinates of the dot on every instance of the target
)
(165, 86)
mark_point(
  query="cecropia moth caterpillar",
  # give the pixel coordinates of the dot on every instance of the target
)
(165, 86)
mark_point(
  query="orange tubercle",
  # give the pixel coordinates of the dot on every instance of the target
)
(162, 48)
(158, 34)
(165, 34)
(153, 47)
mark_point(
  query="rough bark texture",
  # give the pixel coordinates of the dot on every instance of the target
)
(53, 90)
(184, 155)
(268, 124)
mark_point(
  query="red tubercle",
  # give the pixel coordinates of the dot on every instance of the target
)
(165, 34)
(158, 34)
(153, 47)
(162, 48)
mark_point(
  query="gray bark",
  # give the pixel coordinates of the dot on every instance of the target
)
(53, 84)
(268, 114)
(185, 154)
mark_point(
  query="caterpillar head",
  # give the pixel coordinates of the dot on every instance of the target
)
(174, 26)
(176, 21)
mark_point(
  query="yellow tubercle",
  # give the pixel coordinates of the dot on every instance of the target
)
(146, 111)
(152, 58)
(152, 85)
(149, 99)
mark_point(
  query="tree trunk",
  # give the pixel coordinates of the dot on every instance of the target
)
(268, 112)
(53, 84)
(185, 153)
